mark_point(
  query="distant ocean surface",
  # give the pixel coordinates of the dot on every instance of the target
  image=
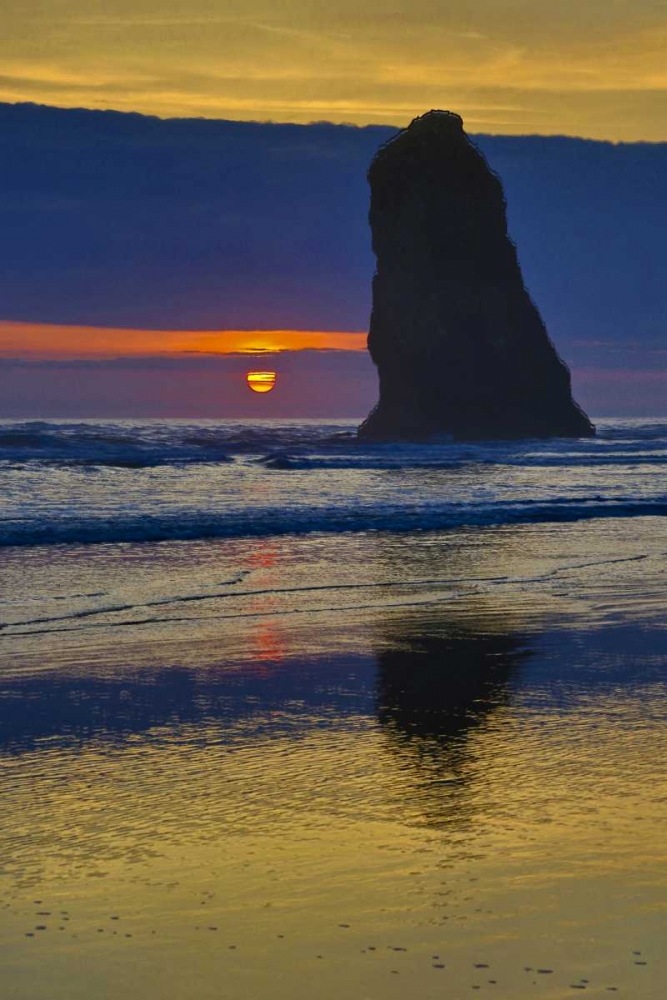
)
(93, 481)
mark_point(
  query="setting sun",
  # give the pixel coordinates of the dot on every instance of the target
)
(261, 381)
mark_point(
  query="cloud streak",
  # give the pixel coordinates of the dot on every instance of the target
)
(53, 340)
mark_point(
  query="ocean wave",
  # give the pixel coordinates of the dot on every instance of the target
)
(251, 522)
(307, 445)
(369, 461)
(91, 482)
(106, 445)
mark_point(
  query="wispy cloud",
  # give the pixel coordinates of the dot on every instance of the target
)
(571, 68)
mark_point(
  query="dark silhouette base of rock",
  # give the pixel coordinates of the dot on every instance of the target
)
(459, 345)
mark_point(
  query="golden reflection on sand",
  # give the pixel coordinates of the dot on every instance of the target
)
(464, 783)
(506, 848)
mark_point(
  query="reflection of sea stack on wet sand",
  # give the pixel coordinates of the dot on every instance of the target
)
(459, 345)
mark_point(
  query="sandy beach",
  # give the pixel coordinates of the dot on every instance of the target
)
(370, 765)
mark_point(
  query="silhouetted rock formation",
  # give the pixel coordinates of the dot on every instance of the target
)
(460, 347)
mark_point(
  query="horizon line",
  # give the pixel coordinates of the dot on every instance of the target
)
(580, 137)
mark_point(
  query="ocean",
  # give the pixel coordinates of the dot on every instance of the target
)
(134, 481)
(282, 713)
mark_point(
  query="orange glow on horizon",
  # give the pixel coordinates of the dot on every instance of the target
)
(56, 341)
(261, 381)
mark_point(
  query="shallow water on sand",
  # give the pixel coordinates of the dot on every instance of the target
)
(366, 765)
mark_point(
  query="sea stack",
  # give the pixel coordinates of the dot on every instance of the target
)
(459, 345)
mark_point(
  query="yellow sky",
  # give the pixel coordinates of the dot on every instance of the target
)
(50, 340)
(581, 67)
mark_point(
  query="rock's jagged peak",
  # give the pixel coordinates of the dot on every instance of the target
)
(449, 297)
(427, 131)
(431, 123)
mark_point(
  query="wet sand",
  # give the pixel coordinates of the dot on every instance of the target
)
(361, 766)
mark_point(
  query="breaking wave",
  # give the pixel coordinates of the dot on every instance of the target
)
(90, 482)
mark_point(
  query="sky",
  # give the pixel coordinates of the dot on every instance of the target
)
(58, 370)
(593, 68)
(137, 250)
